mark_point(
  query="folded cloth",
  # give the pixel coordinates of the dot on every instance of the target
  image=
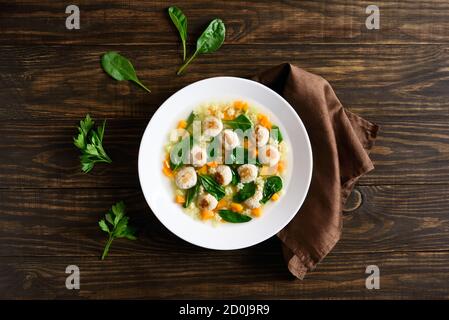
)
(340, 143)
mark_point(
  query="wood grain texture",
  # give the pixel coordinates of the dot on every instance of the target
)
(44, 156)
(40, 154)
(383, 83)
(50, 78)
(259, 275)
(64, 223)
(142, 22)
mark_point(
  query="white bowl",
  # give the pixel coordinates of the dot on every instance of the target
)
(160, 195)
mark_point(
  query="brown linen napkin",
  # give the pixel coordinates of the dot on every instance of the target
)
(340, 142)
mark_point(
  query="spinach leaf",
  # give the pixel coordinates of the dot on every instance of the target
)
(210, 41)
(276, 134)
(248, 190)
(272, 185)
(180, 21)
(234, 217)
(235, 177)
(212, 187)
(242, 122)
(175, 166)
(120, 68)
(191, 195)
(190, 119)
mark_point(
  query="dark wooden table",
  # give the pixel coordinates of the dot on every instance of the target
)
(50, 77)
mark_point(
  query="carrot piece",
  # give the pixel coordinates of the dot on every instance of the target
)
(167, 172)
(166, 164)
(257, 212)
(202, 170)
(238, 105)
(182, 124)
(264, 120)
(212, 164)
(229, 114)
(226, 116)
(211, 111)
(207, 214)
(275, 197)
(180, 199)
(237, 207)
(221, 204)
(281, 166)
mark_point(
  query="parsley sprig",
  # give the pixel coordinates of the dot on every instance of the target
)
(116, 225)
(90, 142)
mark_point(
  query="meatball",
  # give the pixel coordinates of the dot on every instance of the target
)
(186, 178)
(269, 155)
(199, 156)
(207, 202)
(261, 135)
(247, 173)
(254, 201)
(212, 126)
(223, 175)
(230, 139)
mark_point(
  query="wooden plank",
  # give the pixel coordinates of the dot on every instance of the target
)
(259, 275)
(50, 77)
(64, 223)
(383, 83)
(410, 152)
(143, 22)
(40, 154)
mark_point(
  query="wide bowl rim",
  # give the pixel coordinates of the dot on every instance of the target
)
(307, 145)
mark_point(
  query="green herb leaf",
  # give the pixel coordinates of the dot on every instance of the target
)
(234, 217)
(86, 125)
(248, 190)
(103, 226)
(90, 142)
(180, 21)
(272, 185)
(276, 134)
(100, 131)
(116, 225)
(118, 210)
(87, 164)
(191, 194)
(129, 233)
(80, 141)
(120, 68)
(242, 122)
(109, 219)
(210, 41)
(212, 187)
